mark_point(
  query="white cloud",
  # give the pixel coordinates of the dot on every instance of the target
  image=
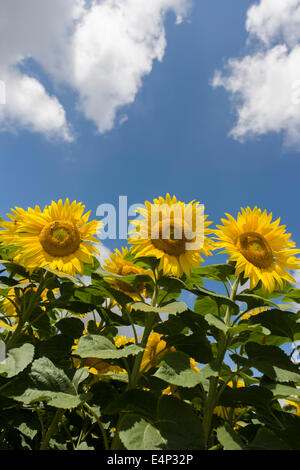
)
(271, 19)
(30, 107)
(115, 45)
(264, 86)
(101, 49)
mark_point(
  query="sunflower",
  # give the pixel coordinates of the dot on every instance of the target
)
(155, 349)
(119, 263)
(173, 232)
(260, 248)
(59, 237)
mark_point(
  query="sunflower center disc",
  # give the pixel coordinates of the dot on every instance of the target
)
(175, 245)
(255, 248)
(60, 238)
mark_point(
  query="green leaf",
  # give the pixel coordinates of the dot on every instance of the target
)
(292, 295)
(131, 279)
(265, 439)
(71, 327)
(280, 323)
(172, 309)
(195, 345)
(171, 290)
(102, 348)
(80, 376)
(216, 322)
(138, 434)
(139, 401)
(103, 393)
(229, 439)
(176, 370)
(147, 262)
(47, 382)
(282, 390)
(61, 275)
(218, 298)
(17, 360)
(216, 272)
(179, 424)
(106, 291)
(254, 301)
(55, 348)
(256, 396)
(273, 362)
(206, 305)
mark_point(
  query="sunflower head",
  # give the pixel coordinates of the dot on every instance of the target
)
(59, 237)
(173, 232)
(154, 351)
(260, 248)
(120, 263)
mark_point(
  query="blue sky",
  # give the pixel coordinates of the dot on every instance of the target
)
(175, 138)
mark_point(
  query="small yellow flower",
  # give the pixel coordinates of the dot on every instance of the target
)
(119, 263)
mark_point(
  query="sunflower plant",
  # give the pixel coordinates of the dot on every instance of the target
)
(159, 347)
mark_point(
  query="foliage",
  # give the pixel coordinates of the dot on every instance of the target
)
(204, 375)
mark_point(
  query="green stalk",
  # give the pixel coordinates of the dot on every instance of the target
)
(135, 375)
(52, 428)
(150, 320)
(103, 432)
(25, 316)
(212, 396)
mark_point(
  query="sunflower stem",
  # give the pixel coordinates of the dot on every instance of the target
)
(213, 395)
(25, 315)
(52, 428)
